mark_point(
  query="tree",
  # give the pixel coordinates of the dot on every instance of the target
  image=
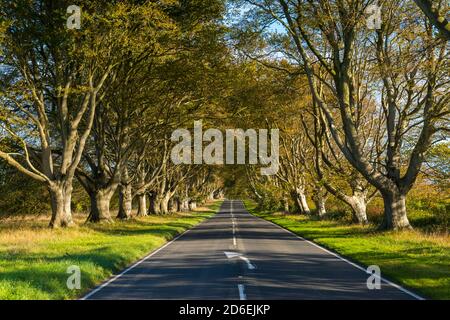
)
(148, 166)
(293, 164)
(331, 170)
(433, 14)
(400, 68)
(52, 81)
(437, 167)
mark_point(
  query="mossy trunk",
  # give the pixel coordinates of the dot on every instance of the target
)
(173, 205)
(395, 215)
(299, 197)
(304, 204)
(320, 206)
(125, 202)
(142, 205)
(184, 205)
(192, 205)
(155, 204)
(100, 204)
(286, 205)
(61, 198)
(164, 202)
(358, 204)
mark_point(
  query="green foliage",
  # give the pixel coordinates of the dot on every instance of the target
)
(21, 195)
(269, 202)
(438, 165)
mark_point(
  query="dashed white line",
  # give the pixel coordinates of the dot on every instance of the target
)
(242, 295)
(233, 224)
(250, 266)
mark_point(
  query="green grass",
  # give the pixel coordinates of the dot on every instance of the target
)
(34, 259)
(413, 259)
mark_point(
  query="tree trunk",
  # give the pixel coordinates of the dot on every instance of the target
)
(165, 204)
(395, 217)
(155, 204)
(156, 207)
(125, 201)
(100, 202)
(297, 201)
(300, 200)
(320, 201)
(142, 205)
(305, 207)
(358, 204)
(192, 205)
(286, 205)
(61, 198)
(68, 205)
(219, 195)
(172, 205)
(177, 205)
(211, 195)
(184, 206)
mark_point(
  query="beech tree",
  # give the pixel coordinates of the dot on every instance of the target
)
(435, 12)
(404, 76)
(52, 81)
(150, 161)
(118, 125)
(331, 170)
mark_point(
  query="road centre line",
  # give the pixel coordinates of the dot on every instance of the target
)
(242, 295)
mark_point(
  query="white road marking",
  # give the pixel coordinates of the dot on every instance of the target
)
(87, 296)
(233, 224)
(231, 210)
(132, 267)
(242, 295)
(249, 264)
(345, 260)
(231, 255)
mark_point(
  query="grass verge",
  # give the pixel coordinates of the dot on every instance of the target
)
(34, 259)
(411, 258)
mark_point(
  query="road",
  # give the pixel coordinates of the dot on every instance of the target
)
(235, 255)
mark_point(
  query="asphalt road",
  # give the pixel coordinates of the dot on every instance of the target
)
(237, 256)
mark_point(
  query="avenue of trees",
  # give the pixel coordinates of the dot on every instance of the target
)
(362, 113)
(379, 99)
(99, 103)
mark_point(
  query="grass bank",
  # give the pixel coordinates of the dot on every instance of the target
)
(34, 259)
(413, 259)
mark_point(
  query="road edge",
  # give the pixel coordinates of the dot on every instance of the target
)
(355, 264)
(116, 276)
